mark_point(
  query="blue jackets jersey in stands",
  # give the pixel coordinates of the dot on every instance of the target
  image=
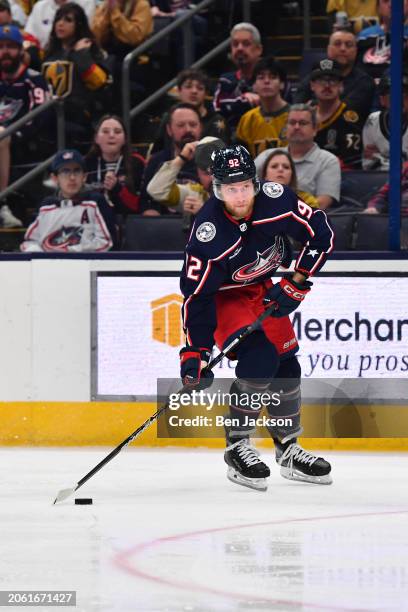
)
(84, 223)
(21, 95)
(228, 98)
(375, 49)
(81, 224)
(223, 253)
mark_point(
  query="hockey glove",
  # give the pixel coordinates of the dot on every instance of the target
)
(288, 295)
(193, 370)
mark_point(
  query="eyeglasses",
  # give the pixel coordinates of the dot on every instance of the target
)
(65, 172)
(302, 122)
(327, 81)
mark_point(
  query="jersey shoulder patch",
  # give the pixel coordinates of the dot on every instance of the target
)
(273, 190)
(206, 231)
(213, 233)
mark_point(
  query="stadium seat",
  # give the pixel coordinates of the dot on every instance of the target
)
(154, 234)
(358, 187)
(372, 232)
(343, 224)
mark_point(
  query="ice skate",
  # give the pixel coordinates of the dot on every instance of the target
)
(245, 466)
(296, 463)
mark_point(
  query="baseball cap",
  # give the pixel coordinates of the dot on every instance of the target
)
(204, 150)
(326, 67)
(5, 6)
(67, 156)
(10, 32)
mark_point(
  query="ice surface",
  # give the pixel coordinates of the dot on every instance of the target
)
(167, 532)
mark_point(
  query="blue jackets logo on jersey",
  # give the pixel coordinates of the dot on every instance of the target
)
(268, 261)
(9, 109)
(64, 237)
(273, 190)
(206, 232)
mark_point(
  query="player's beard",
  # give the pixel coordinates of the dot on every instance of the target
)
(11, 66)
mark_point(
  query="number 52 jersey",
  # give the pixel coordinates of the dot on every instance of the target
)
(224, 253)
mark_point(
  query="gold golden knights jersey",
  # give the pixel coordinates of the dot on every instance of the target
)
(260, 131)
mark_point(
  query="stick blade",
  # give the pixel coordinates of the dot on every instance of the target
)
(64, 494)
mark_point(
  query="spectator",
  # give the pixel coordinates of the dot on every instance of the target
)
(192, 86)
(234, 95)
(176, 8)
(121, 25)
(376, 131)
(380, 202)
(184, 125)
(358, 86)
(374, 42)
(30, 44)
(112, 169)
(11, 13)
(41, 18)
(187, 198)
(279, 168)
(72, 221)
(318, 171)
(338, 126)
(264, 126)
(354, 9)
(21, 90)
(75, 67)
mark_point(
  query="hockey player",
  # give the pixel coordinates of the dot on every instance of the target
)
(236, 244)
(73, 221)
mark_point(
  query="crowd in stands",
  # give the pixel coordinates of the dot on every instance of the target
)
(307, 134)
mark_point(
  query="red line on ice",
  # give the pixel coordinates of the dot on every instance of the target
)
(125, 559)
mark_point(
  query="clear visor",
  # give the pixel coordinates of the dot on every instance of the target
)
(221, 190)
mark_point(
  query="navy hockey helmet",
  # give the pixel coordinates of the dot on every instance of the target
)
(233, 165)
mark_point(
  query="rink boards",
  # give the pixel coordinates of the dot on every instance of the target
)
(55, 388)
(109, 423)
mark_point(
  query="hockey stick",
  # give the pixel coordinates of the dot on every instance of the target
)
(65, 493)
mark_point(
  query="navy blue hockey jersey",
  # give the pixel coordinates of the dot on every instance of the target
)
(224, 253)
(20, 95)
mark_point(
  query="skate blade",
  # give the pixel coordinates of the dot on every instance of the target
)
(259, 484)
(300, 477)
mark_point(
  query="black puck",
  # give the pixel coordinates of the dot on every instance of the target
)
(83, 501)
